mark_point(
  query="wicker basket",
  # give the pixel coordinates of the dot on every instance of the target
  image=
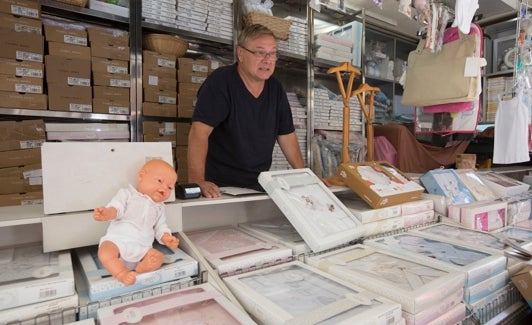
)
(278, 26)
(78, 3)
(165, 44)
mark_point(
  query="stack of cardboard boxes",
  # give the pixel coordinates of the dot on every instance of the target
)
(159, 84)
(20, 162)
(21, 58)
(110, 70)
(68, 67)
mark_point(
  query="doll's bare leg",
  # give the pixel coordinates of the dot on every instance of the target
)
(151, 261)
(109, 256)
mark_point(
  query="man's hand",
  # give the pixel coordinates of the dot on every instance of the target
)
(209, 189)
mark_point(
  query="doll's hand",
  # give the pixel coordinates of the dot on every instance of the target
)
(104, 214)
(170, 240)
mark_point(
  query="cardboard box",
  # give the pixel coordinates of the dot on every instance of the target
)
(160, 138)
(110, 36)
(69, 51)
(110, 106)
(192, 65)
(24, 100)
(69, 98)
(27, 171)
(29, 198)
(475, 185)
(156, 128)
(105, 65)
(21, 135)
(366, 214)
(182, 130)
(116, 52)
(159, 81)
(13, 158)
(188, 89)
(162, 96)
(21, 84)
(186, 105)
(156, 109)
(20, 24)
(69, 33)
(154, 59)
(27, 48)
(523, 281)
(25, 8)
(486, 217)
(159, 71)
(379, 183)
(112, 93)
(67, 71)
(112, 80)
(15, 185)
(21, 68)
(191, 76)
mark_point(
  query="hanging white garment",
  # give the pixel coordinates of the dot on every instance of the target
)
(464, 11)
(511, 132)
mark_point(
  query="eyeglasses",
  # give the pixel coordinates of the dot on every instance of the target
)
(262, 54)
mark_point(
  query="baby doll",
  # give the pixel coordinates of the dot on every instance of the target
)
(138, 217)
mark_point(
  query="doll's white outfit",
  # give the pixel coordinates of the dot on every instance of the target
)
(138, 221)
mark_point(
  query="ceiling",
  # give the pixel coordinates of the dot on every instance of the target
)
(389, 16)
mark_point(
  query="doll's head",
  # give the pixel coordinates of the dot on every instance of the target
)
(157, 180)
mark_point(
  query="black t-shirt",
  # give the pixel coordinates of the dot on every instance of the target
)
(245, 127)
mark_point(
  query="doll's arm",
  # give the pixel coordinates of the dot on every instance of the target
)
(170, 240)
(104, 214)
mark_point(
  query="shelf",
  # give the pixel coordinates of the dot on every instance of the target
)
(60, 114)
(75, 12)
(499, 73)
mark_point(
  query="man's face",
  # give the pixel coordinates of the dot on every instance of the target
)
(257, 58)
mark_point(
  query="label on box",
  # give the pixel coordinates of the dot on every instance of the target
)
(118, 110)
(116, 69)
(24, 11)
(80, 108)
(167, 100)
(76, 40)
(27, 29)
(23, 88)
(27, 56)
(166, 63)
(74, 81)
(120, 83)
(26, 72)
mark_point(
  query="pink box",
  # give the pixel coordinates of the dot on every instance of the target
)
(487, 217)
(201, 304)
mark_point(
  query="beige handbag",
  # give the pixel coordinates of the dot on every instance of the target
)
(438, 78)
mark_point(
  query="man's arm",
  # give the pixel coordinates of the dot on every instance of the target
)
(198, 144)
(290, 147)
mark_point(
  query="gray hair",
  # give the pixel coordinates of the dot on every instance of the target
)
(253, 31)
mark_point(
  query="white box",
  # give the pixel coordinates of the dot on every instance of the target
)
(461, 235)
(201, 304)
(58, 310)
(318, 215)
(230, 250)
(454, 316)
(435, 311)
(420, 218)
(503, 185)
(278, 230)
(30, 276)
(109, 8)
(475, 185)
(364, 213)
(384, 226)
(413, 207)
(519, 235)
(101, 285)
(476, 263)
(414, 285)
(440, 202)
(486, 287)
(487, 217)
(300, 294)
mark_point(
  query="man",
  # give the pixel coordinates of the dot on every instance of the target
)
(240, 112)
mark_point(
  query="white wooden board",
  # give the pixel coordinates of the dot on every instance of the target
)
(80, 176)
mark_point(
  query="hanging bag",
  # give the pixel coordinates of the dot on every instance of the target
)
(439, 77)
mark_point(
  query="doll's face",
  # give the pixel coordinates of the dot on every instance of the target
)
(157, 179)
